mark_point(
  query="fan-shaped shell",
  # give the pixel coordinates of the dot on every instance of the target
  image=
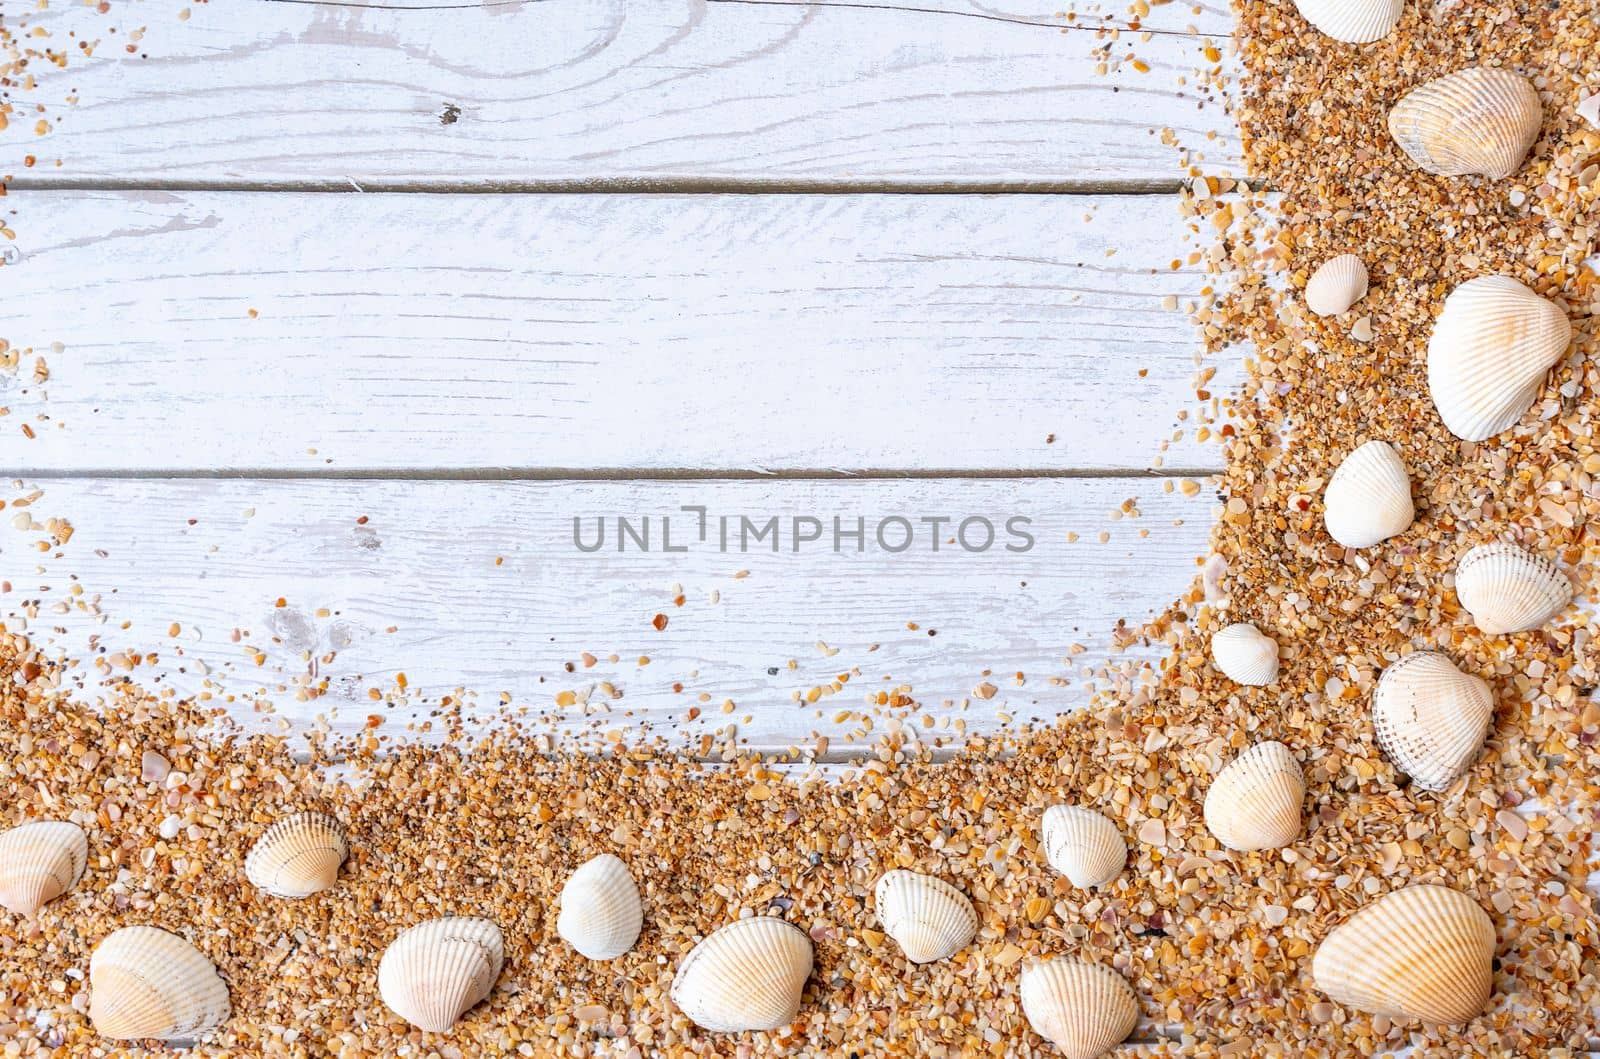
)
(1084, 1009)
(1368, 499)
(39, 862)
(1353, 21)
(1431, 718)
(748, 975)
(145, 982)
(1254, 803)
(298, 856)
(931, 919)
(1245, 654)
(1489, 353)
(600, 910)
(1337, 285)
(1506, 589)
(1083, 845)
(1478, 121)
(433, 973)
(1424, 952)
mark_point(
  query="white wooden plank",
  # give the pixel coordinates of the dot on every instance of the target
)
(478, 585)
(344, 333)
(949, 93)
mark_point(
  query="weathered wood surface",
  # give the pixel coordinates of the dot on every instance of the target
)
(478, 585)
(433, 334)
(948, 93)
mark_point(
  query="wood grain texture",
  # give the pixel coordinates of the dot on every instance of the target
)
(938, 93)
(314, 333)
(479, 585)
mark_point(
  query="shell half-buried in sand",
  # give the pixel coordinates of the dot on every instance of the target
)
(1084, 1009)
(148, 983)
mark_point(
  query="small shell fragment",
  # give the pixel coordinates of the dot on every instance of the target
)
(1589, 110)
(929, 918)
(298, 856)
(1337, 285)
(1254, 802)
(1368, 499)
(1507, 590)
(148, 983)
(1083, 845)
(748, 975)
(434, 972)
(1353, 21)
(40, 861)
(1479, 121)
(1431, 718)
(1245, 654)
(600, 911)
(1084, 1009)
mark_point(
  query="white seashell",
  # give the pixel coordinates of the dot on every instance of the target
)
(600, 910)
(1368, 499)
(1506, 589)
(1254, 803)
(931, 919)
(39, 862)
(1353, 21)
(147, 983)
(298, 856)
(1431, 718)
(1337, 285)
(432, 973)
(1489, 353)
(748, 975)
(1083, 845)
(1478, 121)
(1424, 952)
(1245, 654)
(1084, 1009)
(1589, 109)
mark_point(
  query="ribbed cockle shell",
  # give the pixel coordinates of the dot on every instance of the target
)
(433, 973)
(1245, 654)
(1353, 21)
(1478, 121)
(1083, 845)
(1506, 589)
(1368, 499)
(147, 983)
(1084, 1009)
(1489, 353)
(748, 975)
(1424, 952)
(298, 856)
(40, 861)
(929, 918)
(1431, 718)
(1337, 285)
(600, 910)
(1254, 803)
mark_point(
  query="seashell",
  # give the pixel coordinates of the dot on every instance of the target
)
(1084, 1009)
(600, 911)
(298, 856)
(1478, 121)
(1245, 654)
(39, 862)
(747, 975)
(1083, 845)
(1431, 718)
(1353, 21)
(1368, 499)
(1506, 589)
(1254, 802)
(432, 973)
(1489, 353)
(931, 919)
(145, 982)
(1424, 952)
(1337, 285)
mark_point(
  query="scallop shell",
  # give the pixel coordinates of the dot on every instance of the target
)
(1337, 285)
(1478, 121)
(146, 982)
(1431, 718)
(1254, 803)
(1083, 845)
(748, 975)
(1489, 353)
(1245, 654)
(1353, 21)
(434, 972)
(1084, 1009)
(1424, 952)
(600, 910)
(1368, 499)
(1506, 589)
(39, 862)
(298, 856)
(931, 919)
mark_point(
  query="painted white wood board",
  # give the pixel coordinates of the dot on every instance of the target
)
(943, 93)
(444, 333)
(483, 589)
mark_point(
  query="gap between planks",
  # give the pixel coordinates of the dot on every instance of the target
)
(624, 474)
